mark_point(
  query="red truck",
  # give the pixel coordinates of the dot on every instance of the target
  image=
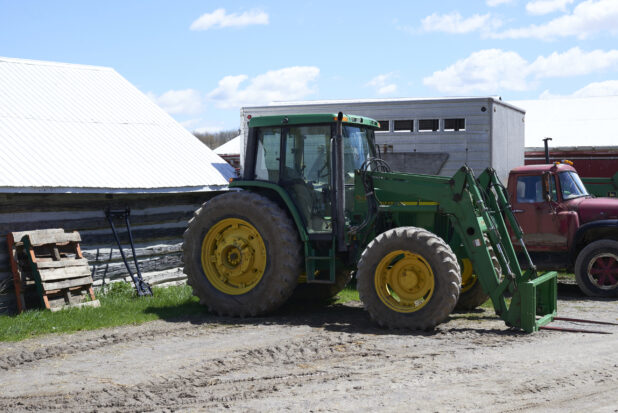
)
(566, 228)
(597, 166)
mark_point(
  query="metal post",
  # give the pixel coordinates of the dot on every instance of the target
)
(546, 149)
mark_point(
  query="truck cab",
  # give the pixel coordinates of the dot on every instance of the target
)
(566, 228)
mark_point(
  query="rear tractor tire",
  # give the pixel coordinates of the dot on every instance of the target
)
(596, 269)
(408, 278)
(242, 254)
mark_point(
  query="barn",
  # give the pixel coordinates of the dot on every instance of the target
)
(78, 140)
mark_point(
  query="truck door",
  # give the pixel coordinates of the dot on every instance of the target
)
(537, 216)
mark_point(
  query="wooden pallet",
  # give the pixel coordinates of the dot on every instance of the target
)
(52, 261)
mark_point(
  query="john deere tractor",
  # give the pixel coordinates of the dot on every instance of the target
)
(316, 203)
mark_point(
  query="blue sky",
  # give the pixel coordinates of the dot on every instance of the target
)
(202, 60)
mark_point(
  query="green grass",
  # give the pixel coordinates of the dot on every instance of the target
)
(119, 306)
(349, 293)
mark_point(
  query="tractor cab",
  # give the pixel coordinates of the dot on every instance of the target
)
(296, 156)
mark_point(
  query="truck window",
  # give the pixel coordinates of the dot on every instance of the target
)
(571, 185)
(553, 192)
(529, 189)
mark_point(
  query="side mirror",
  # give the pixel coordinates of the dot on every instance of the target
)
(545, 183)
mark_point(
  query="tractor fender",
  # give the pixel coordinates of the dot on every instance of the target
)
(276, 192)
(592, 231)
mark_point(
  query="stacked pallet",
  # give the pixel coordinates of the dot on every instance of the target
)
(50, 261)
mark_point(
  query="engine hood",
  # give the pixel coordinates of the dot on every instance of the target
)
(595, 209)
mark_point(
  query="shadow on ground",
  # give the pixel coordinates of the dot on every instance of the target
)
(349, 317)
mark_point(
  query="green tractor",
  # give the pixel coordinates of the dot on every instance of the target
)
(315, 203)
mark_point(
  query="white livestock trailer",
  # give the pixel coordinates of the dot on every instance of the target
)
(432, 136)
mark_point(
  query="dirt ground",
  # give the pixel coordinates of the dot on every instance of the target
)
(328, 358)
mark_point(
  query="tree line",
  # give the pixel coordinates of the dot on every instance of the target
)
(215, 139)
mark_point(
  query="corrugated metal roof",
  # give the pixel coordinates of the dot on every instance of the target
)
(231, 147)
(76, 128)
(571, 122)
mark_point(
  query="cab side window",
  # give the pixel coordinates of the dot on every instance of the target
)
(553, 192)
(529, 189)
(268, 154)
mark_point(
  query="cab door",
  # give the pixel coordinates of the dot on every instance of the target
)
(305, 174)
(538, 216)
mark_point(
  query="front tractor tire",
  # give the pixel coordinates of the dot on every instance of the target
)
(242, 254)
(596, 269)
(408, 278)
(472, 294)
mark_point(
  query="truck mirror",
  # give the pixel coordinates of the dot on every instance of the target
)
(546, 193)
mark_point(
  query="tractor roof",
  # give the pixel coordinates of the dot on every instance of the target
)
(277, 120)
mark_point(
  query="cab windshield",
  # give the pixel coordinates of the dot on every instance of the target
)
(358, 146)
(571, 185)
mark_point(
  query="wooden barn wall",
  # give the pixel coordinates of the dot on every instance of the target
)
(157, 221)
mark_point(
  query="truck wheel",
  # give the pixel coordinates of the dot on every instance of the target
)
(242, 254)
(408, 278)
(596, 269)
(321, 292)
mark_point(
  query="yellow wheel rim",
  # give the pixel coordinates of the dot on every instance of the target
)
(468, 278)
(404, 281)
(233, 256)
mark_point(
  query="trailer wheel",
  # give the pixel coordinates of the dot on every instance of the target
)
(409, 278)
(596, 269)
(321, 292)
(241, 254)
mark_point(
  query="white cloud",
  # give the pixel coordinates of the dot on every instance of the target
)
(487, 71)
(540, 7)
(455, 23)
(588, 18)
(190, 123)
(210, 128)
(493, 71)
(382, 84)
(494, 3)
(219, 19)
(595, 89)
(290, 83)
(574, 62)
(176, 102)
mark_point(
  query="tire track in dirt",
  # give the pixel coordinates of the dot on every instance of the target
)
(218, 381)
(20, 354)
(330, 359)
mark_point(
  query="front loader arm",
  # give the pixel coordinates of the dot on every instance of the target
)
(476, 209)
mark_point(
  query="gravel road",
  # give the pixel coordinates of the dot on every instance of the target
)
(328, 358)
